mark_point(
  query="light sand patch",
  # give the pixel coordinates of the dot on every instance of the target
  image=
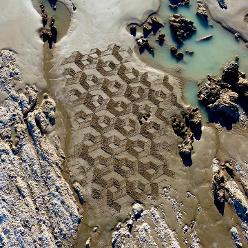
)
(233, 17)
(18, 25)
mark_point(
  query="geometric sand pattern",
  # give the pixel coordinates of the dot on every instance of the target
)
(117, 153)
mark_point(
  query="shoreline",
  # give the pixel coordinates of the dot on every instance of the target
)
(232, 18)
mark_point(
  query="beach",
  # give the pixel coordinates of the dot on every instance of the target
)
(114, 121)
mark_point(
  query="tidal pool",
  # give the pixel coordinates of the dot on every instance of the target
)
(208, 56)
(62, 15)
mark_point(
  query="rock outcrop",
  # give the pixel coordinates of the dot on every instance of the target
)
(175, 4)
(181, 27)
(222, 96)
(149, 230)
(187, 127)
(227, 190)
(201, 10)
(37, 205)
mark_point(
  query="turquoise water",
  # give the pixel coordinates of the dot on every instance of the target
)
(190, 94)
(209, 56)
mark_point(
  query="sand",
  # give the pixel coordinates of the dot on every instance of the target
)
(19, 23)
(100, 23)
(97, 23)
(233, 17)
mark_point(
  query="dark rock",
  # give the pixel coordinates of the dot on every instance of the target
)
(181, 27)
(201, 11)
(155, 24)
(228, 166)
(209, 92)
(133, 30)
(193, 120)
(161, 38)
(147, 29)
(189, 52)
(230, 73)
(173, 50)
(44, 19)
(173, 6)
(143, 45)
(54, 33)
(52, 21)
(78, 190)
(225, 111)
(222, 4)
(219, 190)
(178, 3)
(185, 149)
(220, 102)
(179, 56)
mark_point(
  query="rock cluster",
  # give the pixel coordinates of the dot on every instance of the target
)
(148, 230)
(175, 53)
(48, 34)
(222, 96)
(227, 189)
(178, 3)
(37, 205)
(152, 25)
(187, 127)
(143, 45)
(181, 27)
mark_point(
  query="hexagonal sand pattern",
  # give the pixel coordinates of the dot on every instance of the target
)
(119, 115)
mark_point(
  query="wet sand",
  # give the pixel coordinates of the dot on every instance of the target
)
(198, 178)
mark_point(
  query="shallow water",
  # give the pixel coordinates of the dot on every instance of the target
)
(62, 15)
(209, 55)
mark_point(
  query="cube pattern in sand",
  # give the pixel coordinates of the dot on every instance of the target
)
(117, 154)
